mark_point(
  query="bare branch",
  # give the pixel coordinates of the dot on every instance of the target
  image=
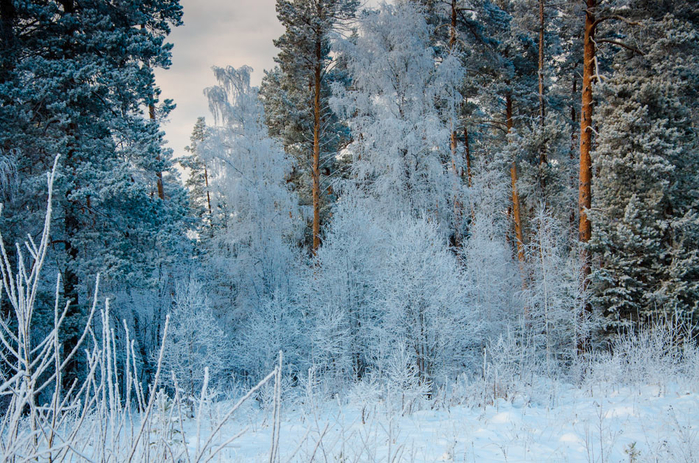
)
(616, 17)
(621, 44)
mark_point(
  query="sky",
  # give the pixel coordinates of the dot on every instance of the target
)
(215, 32)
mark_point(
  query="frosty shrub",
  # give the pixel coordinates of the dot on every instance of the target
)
(384, 282)
(341, 300)
(421, 302)
(660, 354)
(365, 395)
(273, 326)
(196, 341)
(404, 386)
(509, 365)
(490, 272)
(552, 291)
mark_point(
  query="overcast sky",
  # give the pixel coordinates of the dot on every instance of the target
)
(216, 33)
(220, 33)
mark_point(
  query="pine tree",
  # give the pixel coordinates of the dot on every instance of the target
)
(646, 194)
(78, 83)
(296, 93)
(198, 181)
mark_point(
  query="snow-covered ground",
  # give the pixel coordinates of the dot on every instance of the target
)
(594, 424)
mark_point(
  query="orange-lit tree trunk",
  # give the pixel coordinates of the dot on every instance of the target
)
(316, 147)
(585, 182)
(516, 214)
(573, 149)
(585, 229)
(515, 194)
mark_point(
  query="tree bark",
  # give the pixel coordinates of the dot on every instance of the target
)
(542, 108)
(206, 184)
(515, 194)
(585, 183)
(316, 148)
(573, 148)
(158, 172)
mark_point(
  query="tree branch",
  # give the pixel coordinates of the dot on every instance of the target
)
(621, 44)
(614, 16)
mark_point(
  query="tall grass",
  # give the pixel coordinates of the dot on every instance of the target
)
(107, 415)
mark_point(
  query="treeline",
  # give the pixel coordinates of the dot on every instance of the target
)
(411, 184)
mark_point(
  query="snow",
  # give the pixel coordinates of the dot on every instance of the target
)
(604, 423)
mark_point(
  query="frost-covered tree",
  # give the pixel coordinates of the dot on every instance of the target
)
(195, 341)
(252, 258)
(385, 282)
(296, 94)
(342, 300)
(492, 278)
(553, 292)
(77, 77)
(277, 324)
(400, 147)
(646, 194)
(421, 301)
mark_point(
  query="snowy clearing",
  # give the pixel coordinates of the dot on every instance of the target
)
(601, 424)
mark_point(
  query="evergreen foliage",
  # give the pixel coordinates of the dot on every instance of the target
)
(77, 79)
(289, 90)
(645, 195)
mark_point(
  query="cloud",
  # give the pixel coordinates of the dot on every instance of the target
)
(221, 33)
(215, 32)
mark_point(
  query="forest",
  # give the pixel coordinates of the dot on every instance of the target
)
(425, 204)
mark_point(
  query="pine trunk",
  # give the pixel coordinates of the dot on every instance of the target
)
(71, 222)
(208, 194)
(542, 108)
(71, 280)
(585, 192)
(158, 172)
(573, 148)
(515, 194)
(316, 149)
